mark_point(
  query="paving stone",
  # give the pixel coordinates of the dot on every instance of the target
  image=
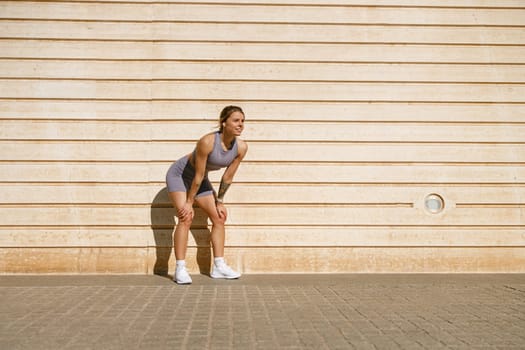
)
(263, 312)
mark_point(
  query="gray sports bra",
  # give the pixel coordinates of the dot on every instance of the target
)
(219, 158)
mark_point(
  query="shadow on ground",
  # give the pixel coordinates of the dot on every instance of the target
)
(163, 223)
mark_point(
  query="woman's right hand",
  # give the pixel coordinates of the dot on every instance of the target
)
(186, 212)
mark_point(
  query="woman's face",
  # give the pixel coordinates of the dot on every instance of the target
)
(234, 124)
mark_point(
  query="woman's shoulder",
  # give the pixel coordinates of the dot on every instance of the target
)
(242, 146)
(209, 137)
(241, 142)
(207, 141)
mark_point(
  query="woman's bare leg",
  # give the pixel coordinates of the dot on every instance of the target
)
(180, 237)
(218, 234)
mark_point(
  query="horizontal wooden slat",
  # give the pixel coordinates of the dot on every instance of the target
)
(259, 13)
(47, 109)
(114, 172)
(373, 260)
(81, 216)
(269, 152)
(79, 30)
(347, 3)
(65, 49)
(87, 172)
(83, 193)
(325, 216)
(329, 91)
(344, 173)
(254, 91)
(70, 49)
(107, 151)
(82, 237)
(398, 132)
(75, 260)
(291, 111)
(75, 89)
(64, 10)
(283, 133)
(333, 15)
(373, 152)
(78, 130)
(344, 3)
(370, 194)
(260, 32)
(156, 195)
(358, 52)
(60, 69)
(255, 260)
(265, 237)
(151, 70)
(339, 72)
(262, 215)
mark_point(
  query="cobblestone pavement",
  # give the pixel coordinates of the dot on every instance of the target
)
(263, 312)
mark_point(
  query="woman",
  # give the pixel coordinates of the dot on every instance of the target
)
(188, 183)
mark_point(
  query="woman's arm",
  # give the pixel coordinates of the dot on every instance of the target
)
(229, 173)
(203, 149)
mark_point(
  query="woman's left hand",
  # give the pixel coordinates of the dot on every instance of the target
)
(221, 210)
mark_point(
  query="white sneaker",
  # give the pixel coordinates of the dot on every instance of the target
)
(182, 276)
(224, 271)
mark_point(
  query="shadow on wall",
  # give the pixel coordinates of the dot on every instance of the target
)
(163, 223)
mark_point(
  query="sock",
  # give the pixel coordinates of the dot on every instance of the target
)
(219, 261)
(181, 263)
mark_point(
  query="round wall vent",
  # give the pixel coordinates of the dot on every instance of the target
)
(434, 203)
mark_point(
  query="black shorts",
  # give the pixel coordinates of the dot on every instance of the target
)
(180, 177)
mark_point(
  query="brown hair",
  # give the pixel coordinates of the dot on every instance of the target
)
(225, 114)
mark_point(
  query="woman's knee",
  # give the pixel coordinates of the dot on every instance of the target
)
(217, 221)
(184, 222)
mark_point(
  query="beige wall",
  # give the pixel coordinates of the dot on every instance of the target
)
(356, 111)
